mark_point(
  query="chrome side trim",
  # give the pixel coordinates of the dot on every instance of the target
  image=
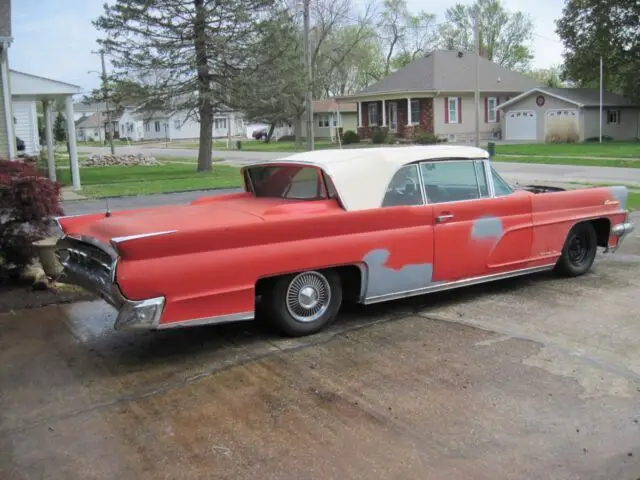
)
(488, 175)
(93, 241)
(141, 235)
(195, 322)
(457, 284)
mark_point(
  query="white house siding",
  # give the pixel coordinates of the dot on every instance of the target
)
(464, 131)
(130, 126)
(156, 128)
(183, 127)
(26, 123)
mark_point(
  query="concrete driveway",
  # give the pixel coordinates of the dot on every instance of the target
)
(531, 378)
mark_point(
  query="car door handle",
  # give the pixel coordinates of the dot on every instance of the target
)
(445, 217)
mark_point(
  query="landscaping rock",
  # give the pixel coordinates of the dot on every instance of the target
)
(108, 160)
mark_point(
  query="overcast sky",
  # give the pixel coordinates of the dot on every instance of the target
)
(54, 38)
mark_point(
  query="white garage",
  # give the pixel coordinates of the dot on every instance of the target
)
(521, 125)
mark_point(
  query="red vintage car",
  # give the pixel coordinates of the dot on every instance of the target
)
(318, 228)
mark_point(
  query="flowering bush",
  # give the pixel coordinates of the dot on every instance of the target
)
(27, 202)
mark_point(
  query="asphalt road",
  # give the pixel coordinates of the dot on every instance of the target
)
(535, 378)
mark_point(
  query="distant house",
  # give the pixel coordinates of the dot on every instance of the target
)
(180, 125)
(542, 113)
(91, 128)
(435, 94)
(329, 116)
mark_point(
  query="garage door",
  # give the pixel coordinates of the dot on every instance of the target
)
(521, 125)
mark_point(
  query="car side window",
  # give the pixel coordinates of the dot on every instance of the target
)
(501, 187)
(404, 188)
(453, 181)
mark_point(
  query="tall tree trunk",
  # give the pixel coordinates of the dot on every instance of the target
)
(205, 109)
(297, 127)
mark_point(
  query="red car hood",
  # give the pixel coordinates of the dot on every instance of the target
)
(153, 220)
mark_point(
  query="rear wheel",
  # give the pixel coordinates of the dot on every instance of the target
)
(304, 303)
(579, 251)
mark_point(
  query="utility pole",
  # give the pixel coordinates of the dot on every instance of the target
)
(105, 90)
(308, 93)
(476, 97)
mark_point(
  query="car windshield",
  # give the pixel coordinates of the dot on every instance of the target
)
(285, 181)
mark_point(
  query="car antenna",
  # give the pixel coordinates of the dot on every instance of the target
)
(107, 213)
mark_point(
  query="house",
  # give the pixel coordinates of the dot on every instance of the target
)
(19, 93)
(435, 93)
(542, 114)
(180, 125)
(329, 116)
(91, 128)
(7, 136)
(130, 124)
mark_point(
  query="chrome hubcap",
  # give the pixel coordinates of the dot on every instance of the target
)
(308, 296)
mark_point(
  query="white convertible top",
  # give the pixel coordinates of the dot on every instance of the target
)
(361, 175)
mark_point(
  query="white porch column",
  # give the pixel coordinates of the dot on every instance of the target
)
(384, 113)
(8, 104)
(48, 134)
(71, 138)
(359, 114)
(409, 119)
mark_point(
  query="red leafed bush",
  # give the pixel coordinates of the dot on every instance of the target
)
(27, 202)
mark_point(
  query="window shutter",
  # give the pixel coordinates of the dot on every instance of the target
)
(459, 109)
(486, 109)
(497, 111)
(446, 109)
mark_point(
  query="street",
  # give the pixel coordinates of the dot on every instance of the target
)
(536, 377)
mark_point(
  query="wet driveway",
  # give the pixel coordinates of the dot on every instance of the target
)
(531, 378)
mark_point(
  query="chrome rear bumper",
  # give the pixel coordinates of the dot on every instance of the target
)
(621, 230)
(93, 269)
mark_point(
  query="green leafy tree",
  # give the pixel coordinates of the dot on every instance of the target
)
(59, 130)
(188, 52)
(505, 37)
(610, 29)
(549, 77)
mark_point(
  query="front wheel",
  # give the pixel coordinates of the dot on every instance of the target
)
(304, 303)
(579, 251)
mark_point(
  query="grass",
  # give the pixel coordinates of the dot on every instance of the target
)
(578, 161)
(100, 182)
(633, 201)
(255, 146)
(587, 149)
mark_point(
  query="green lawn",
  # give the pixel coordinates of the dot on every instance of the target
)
(588, 149)
(589, 162)
(633, 202)
(100, 182)
(256, 146)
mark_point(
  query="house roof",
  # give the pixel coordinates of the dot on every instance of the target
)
(448, 71)
(361, 176)
(28, 84)
(582, 97)
(92, 121)
(330, 105)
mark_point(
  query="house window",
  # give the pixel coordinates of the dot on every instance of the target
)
(122, 129)
(157, 125)
(492, 116)
(613, 117)
(453, 105)
(323, 120)
(373, 114)
(146, 126)
(415, 112)
(177, 124)
(220, 123)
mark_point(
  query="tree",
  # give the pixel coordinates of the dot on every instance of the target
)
(505, 36)
(404, 35)
(549, 77)
(59, 130)
(610, 29)
(188, 52)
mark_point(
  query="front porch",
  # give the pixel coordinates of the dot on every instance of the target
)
(401, 117)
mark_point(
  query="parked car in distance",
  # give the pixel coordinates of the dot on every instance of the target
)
(260, 134)
(318, 228)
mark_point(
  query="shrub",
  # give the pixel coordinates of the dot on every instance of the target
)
(562, 131)
(349, 137)
(426, 138)
(378, 135)
(605, 138)
(27, 201)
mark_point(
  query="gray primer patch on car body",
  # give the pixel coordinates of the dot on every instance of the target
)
(620, 193)
(487, 227)
(384, 280)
